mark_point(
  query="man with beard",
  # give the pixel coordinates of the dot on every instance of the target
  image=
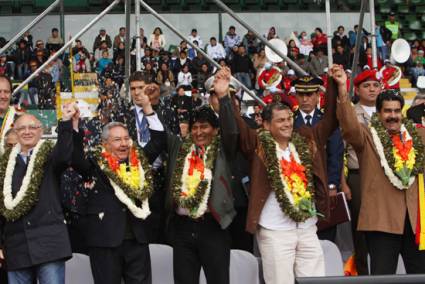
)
(391, 167)
(121, 183)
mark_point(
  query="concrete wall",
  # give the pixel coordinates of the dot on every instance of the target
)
(206, 23)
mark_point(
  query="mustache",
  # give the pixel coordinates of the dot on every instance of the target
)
(392, 119)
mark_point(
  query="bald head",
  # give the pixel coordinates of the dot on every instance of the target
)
(29, 130)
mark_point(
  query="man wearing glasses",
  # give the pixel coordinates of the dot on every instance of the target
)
(34, 239)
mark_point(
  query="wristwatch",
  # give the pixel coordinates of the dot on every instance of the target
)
(332, 186)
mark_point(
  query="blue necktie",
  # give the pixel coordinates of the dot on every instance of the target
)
(145, 135)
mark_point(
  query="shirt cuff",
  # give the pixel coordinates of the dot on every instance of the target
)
(154, 122)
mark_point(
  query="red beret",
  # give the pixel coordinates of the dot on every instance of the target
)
(367, 75)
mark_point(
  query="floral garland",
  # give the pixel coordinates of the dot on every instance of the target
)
(292, 183)
(135, 185)
(191, 182)
(14, 208)
(401, 163)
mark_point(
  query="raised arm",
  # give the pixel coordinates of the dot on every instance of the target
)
(352, 131)
(336, 84)
(62, 152)
(231, 118)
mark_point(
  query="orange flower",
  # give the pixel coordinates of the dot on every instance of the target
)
(292, 167)
(403, 149)
(196, 163)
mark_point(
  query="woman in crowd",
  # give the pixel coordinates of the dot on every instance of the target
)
(157, 39)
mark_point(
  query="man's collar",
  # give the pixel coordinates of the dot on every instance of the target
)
(303, 114)
(138, 109)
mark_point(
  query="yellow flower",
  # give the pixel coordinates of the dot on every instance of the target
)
(192, 182)
(411, 159)
(399, 165)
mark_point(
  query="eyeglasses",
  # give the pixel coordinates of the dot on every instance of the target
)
(31, 128)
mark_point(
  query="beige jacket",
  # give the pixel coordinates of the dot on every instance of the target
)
(383, 206)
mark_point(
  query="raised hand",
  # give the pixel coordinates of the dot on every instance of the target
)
(338, 74)
(145, 99)
(222, 81)
(69, 110)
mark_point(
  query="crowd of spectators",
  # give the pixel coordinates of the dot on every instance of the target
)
(174, 65)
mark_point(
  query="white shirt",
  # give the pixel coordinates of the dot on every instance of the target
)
(184, 78)
(153, 121)
(370, 110)
(303, 114)
(216, 51)
(198, 39)
(272, 217)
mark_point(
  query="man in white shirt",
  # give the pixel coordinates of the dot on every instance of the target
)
(287, 167)
(194, 36)
(215, 49)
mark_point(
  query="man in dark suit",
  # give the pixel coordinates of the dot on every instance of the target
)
(33, 234)
(199, 197)
(116, 232)
(309, 115)
(241, 239)
(138, 130)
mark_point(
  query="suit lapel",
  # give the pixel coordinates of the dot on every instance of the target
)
(317, 116)
(299, 121)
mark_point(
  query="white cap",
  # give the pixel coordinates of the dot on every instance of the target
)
(326, 69)
(292, 90)
(291, 72)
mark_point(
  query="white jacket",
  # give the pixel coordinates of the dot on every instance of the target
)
(216, 51)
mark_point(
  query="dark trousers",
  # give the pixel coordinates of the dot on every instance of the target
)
(384, 249)
(359, 239)
(327, 234)
(3, 276)
(241, 239)
(130, 262)
(200, 243)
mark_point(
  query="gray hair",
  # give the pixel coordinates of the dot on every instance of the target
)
(107, 128)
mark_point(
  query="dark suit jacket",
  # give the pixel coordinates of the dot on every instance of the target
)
(107, 217)
(317, 136)
(220, 202)
(334, 148)
(41, 235)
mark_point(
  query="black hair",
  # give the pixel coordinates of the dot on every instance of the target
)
(204, 114)
(267, 113)
(122, 28)
(388, 95)
(137, 76)
(55, 30)
(194, 30)
(157, 28)
(319, 30)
